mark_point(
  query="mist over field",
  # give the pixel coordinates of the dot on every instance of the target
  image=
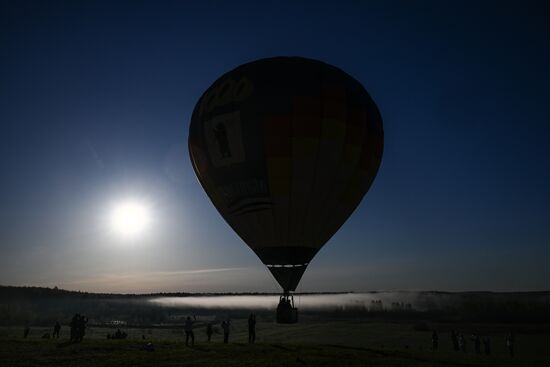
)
(306, 302)
(19, 305)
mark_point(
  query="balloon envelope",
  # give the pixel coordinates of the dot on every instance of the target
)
(286, 148)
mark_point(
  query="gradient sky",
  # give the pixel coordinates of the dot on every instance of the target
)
(95, 103)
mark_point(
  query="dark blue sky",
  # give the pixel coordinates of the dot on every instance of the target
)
(95, 103)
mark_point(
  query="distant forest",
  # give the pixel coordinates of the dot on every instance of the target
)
(43, 306)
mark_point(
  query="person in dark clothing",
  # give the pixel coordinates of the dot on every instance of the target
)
(78, 327)
(209, 331)
(510, 344)
(74, 326)
(435, 340)
(81, 327)
(26, 331)
(189, 331)
(454, 339)
(225, 327)
(487, 345)
(119, 334)
(477, 343)
(251, 328)
(462, 343)
(56, 330)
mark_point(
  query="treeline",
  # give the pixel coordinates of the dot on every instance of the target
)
(29, 292)
(487, 306)
(99, 311)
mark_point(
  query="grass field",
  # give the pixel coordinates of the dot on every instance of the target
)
(309, 343)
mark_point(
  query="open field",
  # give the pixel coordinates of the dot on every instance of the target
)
(334, 329)
(353, 342)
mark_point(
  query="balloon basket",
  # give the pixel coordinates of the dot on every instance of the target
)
(286, 312)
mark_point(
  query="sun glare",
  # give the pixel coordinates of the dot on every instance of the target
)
(130, 218)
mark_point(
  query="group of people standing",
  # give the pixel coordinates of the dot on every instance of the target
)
(226, 327)
(78, 327)
(460, 344)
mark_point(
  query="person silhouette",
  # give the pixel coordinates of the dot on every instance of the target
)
(56, 330)
(26, 331)
(225, 327)
(251, 328)
(487, 345)
(510, 344)
(81, 327)
(209, 331)
(435, 340)
(454, 339)
(73, 326)
(462, 343)
(477, 343)
(189, 331)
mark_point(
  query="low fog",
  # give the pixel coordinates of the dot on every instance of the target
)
(19, 305)
(307, 302)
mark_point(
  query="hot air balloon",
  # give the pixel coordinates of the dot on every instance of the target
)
(286, 148)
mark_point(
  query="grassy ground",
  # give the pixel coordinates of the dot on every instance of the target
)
(309, 343)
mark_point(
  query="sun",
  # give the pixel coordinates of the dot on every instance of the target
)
(130, 218)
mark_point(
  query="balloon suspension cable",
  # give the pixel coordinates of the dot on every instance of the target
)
(299, 294)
